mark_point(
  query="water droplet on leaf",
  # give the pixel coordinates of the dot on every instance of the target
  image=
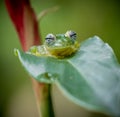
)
(48, 77)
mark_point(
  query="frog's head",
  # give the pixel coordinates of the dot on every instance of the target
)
(61, 44)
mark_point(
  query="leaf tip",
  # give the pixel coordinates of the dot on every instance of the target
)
(97, 37)
(16, 52)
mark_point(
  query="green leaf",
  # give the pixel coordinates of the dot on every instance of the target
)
(90, 78)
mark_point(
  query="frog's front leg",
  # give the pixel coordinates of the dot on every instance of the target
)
(39, 50)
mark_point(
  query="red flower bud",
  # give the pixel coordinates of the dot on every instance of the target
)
(25, 22)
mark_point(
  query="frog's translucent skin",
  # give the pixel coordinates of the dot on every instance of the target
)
(60, 46)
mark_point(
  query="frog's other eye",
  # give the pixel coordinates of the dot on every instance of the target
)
(50, 38)
(71, 34)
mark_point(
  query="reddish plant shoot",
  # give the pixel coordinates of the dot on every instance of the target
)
(25, 22)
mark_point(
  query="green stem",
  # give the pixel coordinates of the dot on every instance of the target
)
(44, 100)
(46, 107)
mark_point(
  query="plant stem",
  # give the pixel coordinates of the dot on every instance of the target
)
(44, 100)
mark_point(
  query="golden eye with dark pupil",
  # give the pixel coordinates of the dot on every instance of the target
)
(49, 38)
(71, 34)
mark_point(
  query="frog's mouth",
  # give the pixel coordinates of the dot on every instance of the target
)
(58, 44)
(63, 51)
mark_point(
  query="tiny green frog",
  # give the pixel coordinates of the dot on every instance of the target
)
(59, 45)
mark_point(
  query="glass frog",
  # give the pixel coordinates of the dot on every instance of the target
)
(59, 45)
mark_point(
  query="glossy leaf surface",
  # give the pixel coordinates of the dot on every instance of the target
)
(90, 78)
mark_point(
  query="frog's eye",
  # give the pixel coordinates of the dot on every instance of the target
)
(50, 38)
(71, 34)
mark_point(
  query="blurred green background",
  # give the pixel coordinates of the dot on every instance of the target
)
(86, 17)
